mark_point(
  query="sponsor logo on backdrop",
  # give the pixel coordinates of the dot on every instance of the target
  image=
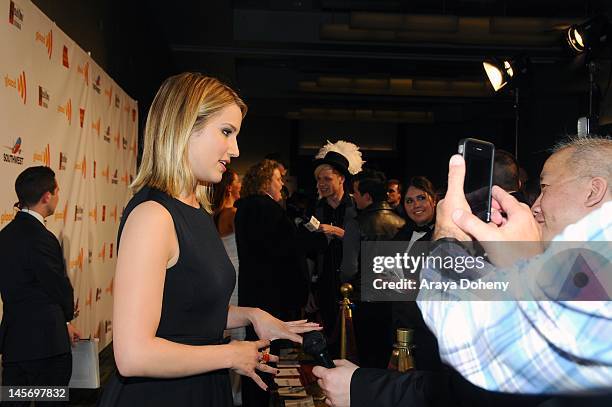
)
(117, 138)
(14, 157)
(133, 148)
(77, 262)
(43, 97)
(78, 213)
(43, 156)
(115, 179)
(103, 213)
(94, 214)
(63, 160)
(125, 178)
(109, 288)
(95, 165)
(61, 215)
(109, 93)
(15, 15)
(102, 253)
(81, 166)
(67, 110)
(81, 116)
(19, 84)
(108, 325)
(89, 256)
(97, 85)
(96, 126)
(133, 115)
(65, 57)
(117, 101)
(88, 300)
(84, 70)
(106, 173)
(107, 136)
(46, 40)
(124, 143)
(111, 248)
(98, 294)
(7, 216)
(113, 214)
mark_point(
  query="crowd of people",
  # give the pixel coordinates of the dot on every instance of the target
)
(206, 255)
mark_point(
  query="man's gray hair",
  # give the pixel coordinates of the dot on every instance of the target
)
(590, 156)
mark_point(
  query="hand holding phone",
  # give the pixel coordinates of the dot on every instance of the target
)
(479, 158)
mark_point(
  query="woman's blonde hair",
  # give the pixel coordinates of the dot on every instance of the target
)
(182, 106)
(258, 178)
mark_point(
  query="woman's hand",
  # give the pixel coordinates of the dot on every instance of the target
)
(246, 358)
(270, 328)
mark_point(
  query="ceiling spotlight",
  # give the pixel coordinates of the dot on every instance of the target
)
(588, 35)
(503, 72)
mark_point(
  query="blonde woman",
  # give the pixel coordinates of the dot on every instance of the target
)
(173, 279)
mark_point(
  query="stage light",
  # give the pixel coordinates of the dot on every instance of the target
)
(588, 35)
(503, 72)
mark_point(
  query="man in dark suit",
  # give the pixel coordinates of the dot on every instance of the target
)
(38, 302)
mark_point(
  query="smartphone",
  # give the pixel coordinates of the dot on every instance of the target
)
(479, 159)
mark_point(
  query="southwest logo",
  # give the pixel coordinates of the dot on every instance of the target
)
(124, 143)
(103, 213)
(107, 133)
(43, 156)
(94, 214)
(98, 294)
(89, 256)
(133, 115)
(96, 84)
(81, 166)
(102, 253)
(15, 156)
(109, 92)
(78, 213)
(96, 126)
(67, 110)
(61, 215)
(65, 57)
(94, 169)
(19, 84)
(117, 101)
(115, 179)
(113, 214)
(43, 97)
(46, 40)
(15, 15)
(6, 217)
(84, 70)
(110, 250)
(77, 263)
(63, 160)
(81, 116)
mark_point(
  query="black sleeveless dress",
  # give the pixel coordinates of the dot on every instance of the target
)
(194, 311)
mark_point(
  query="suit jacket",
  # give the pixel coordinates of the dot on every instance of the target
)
(272, 273)
(36, 292)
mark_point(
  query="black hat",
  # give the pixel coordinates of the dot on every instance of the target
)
(336, 160)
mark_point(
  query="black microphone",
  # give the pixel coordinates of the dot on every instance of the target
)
(316, 346)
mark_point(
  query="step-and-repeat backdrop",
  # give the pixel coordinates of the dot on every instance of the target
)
(59, 109)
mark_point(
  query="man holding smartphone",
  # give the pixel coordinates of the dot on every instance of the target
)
(578, 169)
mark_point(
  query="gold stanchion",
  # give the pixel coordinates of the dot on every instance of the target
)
(346, 315)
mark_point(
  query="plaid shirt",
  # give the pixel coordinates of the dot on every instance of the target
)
(532, 347)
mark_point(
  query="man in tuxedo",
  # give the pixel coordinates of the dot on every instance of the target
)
(38, 302)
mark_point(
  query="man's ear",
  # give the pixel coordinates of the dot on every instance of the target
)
(598, 189)
(45, 198)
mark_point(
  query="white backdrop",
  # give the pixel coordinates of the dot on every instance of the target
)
(59, 109)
